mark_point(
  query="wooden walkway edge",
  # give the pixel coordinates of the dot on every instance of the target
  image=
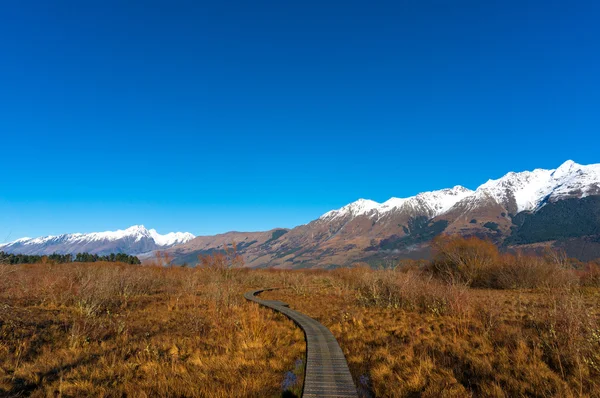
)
(326, 373)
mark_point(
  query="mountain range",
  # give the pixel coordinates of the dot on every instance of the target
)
(558, 207)
(133, 240)
(531, 209)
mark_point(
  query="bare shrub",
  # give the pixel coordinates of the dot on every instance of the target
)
(477, 263)
(224, 265)
(298, 282)
(90, 288)
(409, 290)
(527, 271)
(468, 261)
(162, 259)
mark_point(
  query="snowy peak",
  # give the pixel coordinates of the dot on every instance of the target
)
(431, 203)
(171, 239)
(528, 190)
(133, 240)
(360, 207)
(565, 169)
(518, 191)
(439, 202)
(136, 232)
(523, 191)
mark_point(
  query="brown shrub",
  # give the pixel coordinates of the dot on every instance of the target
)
(468, 261)
(225, 265)
(478, 263)
(529, 271)
(89, 288)
(407, 290)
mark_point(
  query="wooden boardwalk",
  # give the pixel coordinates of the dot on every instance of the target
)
(326, 373)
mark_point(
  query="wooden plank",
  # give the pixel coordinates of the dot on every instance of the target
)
(326, 373)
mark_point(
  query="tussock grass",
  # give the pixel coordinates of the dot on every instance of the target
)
(472, 322)
(409, 334)
(114, 330)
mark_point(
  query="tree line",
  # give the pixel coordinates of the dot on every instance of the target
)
(11, 258)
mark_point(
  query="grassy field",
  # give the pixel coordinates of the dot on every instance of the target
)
(405, 336)
(469, 323)
(122, 330)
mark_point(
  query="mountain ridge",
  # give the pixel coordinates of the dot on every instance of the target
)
(366, 230)
(505, 210)
(541, 183)
(133, 240)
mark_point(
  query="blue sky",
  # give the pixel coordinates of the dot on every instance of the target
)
(205, 117)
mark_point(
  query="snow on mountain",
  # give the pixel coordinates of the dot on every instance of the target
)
(171, 239)
(432, 203)
(360, 207)
(528, 190)
(573, 177)
(524, 191)
(133, 240)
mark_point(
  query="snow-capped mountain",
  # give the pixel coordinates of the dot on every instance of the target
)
(429, 203)
(133, 240)
(530, 190)
(524, 191)
(559, 207)
(518, 208)
(358, 208)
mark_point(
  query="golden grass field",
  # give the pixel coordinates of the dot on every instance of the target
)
(106, 330)
(113, 330)
(433, 340)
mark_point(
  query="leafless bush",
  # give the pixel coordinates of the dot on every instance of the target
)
(299, 283)
(224, 265)
(130, 282)
(459, 260)
(411, 291)
(521, 271)
(91, 288)
(478, 263)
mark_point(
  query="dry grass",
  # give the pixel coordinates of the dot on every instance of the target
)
(406, 334)
(106, 329)
(115, 330)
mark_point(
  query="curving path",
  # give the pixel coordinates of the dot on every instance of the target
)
(326, 373)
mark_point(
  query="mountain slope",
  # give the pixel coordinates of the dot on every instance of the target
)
(248, 243)
(527, 191)
(518, 208)
(403, 227)
(134, 240)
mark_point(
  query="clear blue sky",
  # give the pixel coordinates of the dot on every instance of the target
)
(214, 116)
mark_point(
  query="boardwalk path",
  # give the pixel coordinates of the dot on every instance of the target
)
(326, 373)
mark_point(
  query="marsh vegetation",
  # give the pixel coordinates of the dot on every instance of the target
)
(471, 322)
